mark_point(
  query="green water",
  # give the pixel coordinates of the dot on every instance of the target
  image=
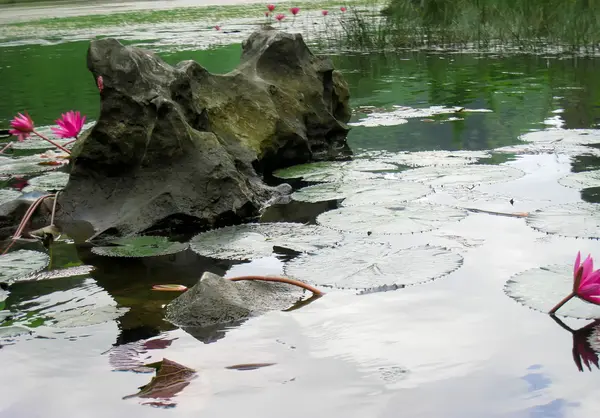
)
(457, 347)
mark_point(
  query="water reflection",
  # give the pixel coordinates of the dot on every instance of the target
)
(583, 351)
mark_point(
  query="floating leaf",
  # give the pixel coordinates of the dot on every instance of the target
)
(7, 196)
(437, 158)
(25, 165)
(400, 219)
(562, 141)
(373, 265)
(141, 246)
(34, 142)
(461, 176)
(85, 316)
(400, 114)
(18, 265)
(336, 171)
(133, 356)
(542, 288)
(248, 241)
(171, 378)
(60, 273)
(47, 182)
(579, 220)
(390, 193)
(582, 180)
(379, 188)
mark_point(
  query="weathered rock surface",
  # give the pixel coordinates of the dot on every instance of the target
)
(215, 302)
(178, 146)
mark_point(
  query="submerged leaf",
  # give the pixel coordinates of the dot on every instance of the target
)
(400, 219)
(462, 176)
(571, 220)
(18, 265)
(336, 171)
(141, 246)
(582, 180)
(373, 265)
(248, 241)
(542, 288)
(394, 190)
(171, 378)
(47, 182)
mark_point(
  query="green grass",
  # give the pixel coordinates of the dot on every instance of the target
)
(184, 14)
(528, 26)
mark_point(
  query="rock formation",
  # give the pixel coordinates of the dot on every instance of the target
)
(178, 146)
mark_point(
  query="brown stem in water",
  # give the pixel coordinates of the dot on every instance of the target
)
(52, 142)
(278, 279)
(26, 218)
(561, 303)
(6, 147)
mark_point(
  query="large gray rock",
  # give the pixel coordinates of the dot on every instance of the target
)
(178, 146)
(215, 302)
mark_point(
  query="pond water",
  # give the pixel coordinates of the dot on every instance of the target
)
(453, 347)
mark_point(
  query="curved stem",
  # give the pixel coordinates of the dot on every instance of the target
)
(6, 147)
(26, 218)
(54, 208)
(52, 142)
(561, 303)
(278, 279)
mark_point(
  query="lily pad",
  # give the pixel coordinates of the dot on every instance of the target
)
(249, 241)
(579, 220)
(26, 165)
(561, 141)
(542, 288)
(336, 171)
(132, 356)
(7, 196)
(75, 271)
(378, 187)
(399, 219)
(582, 180)
(373, 265)
(47, 182)
(85, 316)
(400, 114)
(437, 158)
(389, 193)
(141, 246)
(19, 265)
(462, 176)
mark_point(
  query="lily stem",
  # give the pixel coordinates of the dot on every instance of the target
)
(278, 279)
(6, 147)
(561, 303)
(60, 147)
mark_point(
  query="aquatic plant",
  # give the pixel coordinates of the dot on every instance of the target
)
(569, 220)
(271, 7)
(100, 83)
(279, 17)
(140, 246)
(70, 123)
(324, 12)
(169, 287)
(20, 264)
(294, 11)
(584, 353)
(586, 283)
(343, 9)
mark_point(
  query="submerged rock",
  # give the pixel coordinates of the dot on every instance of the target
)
(178, 146)
(215, 302)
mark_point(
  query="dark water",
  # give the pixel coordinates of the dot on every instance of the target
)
(456, 347)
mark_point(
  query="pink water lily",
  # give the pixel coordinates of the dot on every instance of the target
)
(294, 10)
(70, 125)
(586, 283)
(22, 126)
(343, 9)
(280, 17)
(271, 7)
(325, 12)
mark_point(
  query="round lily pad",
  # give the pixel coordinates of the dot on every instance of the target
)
(51, 181)
(394, 190)
(7, 196)
(336, 171)
(579, 220)
(564, 136)
(399, 115)
(26, 165)
(18, 265)
(399, 219)
(542, 288)
(389, 193)
(85, 316)
(360, 265)
(467, 175)
(248, 241)
(142, 246)
(582, 180)
(75, 271)
(437, 158)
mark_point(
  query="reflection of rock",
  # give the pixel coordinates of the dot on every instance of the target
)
(176, 147)
(215, 301)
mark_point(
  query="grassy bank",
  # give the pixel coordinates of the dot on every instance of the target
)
(532, 25)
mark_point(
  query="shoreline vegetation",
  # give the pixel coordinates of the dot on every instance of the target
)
(535, 26)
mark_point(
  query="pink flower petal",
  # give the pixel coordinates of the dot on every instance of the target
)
(577, 263)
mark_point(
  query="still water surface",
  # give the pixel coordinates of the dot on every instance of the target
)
(457, 347)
